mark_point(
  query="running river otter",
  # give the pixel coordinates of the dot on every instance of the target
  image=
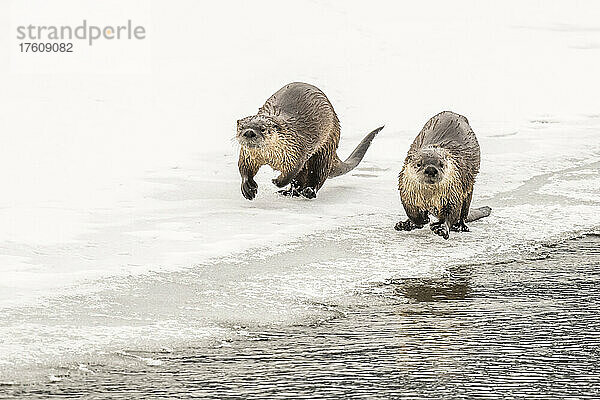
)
(297, 133)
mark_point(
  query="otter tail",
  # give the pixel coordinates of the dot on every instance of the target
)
(478, 213)
(341, 167)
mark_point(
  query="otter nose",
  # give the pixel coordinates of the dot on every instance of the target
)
(249, 133)
(431, 171)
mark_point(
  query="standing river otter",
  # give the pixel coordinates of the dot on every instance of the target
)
(297, 133)
(438, 176)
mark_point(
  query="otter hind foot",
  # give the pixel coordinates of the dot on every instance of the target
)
(407, 225)
(309, 193)
(441, 229)
(460, 227)
(291, 192)
(295, 190)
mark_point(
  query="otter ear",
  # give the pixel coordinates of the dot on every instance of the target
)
(244, 120)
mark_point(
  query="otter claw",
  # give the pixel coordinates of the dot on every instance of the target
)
(309, 193)
(440, 229)
(402, 226)
(460, 227)
(249, 189)
(291, 192)
(407, 225)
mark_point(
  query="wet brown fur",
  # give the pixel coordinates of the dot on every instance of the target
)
(449, 138)
(303, 133)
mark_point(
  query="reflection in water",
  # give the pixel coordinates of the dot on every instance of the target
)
(423, 289)
(523, 329)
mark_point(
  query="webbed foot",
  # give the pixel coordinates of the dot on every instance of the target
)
(309, 193)
(460, 227)
(249, 188)
(291, 192)
(441, 229)
(407, 225)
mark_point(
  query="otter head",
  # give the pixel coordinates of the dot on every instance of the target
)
(257, 131)
(430, 165)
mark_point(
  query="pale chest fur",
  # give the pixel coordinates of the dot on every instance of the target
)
(279, 158)
(431, 198)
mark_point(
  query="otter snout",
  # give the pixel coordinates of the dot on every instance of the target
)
(431, 171)
(249, 134)
(250, 138)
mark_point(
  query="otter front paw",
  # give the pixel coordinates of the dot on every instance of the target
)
(249, 188)
(407, 225)
(401, 226)
(440, 229)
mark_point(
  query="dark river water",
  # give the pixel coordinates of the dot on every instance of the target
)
(525, 328)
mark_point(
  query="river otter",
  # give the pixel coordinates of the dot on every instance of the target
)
(297, 133)
(438, 176)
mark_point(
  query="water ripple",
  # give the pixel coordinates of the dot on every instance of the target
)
(524, 328)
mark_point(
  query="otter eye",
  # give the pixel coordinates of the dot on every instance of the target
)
(418, 165)
(263, 129)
